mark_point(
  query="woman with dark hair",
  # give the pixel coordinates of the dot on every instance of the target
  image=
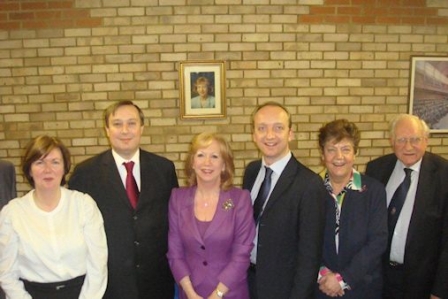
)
(356, 219)
(52, 240)
(212, 228)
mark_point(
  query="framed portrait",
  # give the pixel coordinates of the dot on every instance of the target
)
(428, 94)
(202, 89)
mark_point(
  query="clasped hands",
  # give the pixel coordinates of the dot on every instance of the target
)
(213, 295)
(329, 285)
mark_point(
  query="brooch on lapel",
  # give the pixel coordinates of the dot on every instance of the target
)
(228, 205)
(364, 188)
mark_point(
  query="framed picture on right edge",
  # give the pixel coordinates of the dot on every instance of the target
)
(428, 94)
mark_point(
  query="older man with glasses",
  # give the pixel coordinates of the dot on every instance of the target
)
(416, 261)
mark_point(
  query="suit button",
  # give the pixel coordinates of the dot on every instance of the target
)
(205, 263)
(203, 247)
(135, 217)
(136, 243)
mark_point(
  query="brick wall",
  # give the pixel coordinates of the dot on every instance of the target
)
(63, 61)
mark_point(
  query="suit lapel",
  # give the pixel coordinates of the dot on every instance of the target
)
(220, 215)
(113, 179)
(283, 183)
(424, 190)
(387, 169)
(146, 189)
(148, 185)
(188, 217)
(251, 175)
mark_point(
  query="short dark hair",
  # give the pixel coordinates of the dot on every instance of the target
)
(274, 104)
(113, 108)
(39, 148)
(338, 130)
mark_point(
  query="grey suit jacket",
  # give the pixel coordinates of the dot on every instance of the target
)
(7, 182)
(137, 239)
(290, 233)
(426, 251)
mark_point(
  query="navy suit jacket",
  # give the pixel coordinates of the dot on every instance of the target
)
(137, 239)
(362, 239)
(426, 251)
(290, 232)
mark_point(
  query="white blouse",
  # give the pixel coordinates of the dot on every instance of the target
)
(53, 246)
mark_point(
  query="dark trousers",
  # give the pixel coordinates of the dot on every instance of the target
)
(69, 289)
(393, 284)
(252, 280)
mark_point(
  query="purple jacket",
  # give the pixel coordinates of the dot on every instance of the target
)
(223, 254)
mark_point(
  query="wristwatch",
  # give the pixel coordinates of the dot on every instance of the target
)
(219, 293)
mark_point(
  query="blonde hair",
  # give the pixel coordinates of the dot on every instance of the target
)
(203, 140)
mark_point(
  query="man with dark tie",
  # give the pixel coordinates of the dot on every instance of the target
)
(132, 188)
(288, 211)
(416, 261)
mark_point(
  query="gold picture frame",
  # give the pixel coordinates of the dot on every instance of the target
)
(428, 91)
(202, 89)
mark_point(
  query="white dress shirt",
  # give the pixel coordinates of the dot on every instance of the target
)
(277, 169)
(402, 226)
(122, 169)
(54, 246)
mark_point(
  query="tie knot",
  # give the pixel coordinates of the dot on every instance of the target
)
(129, 166)
(268, 172)
(408, 171)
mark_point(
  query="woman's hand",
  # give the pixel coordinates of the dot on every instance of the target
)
(186, 285)
(213, 295)
(191, 294)
(223, 289)
(330, 285)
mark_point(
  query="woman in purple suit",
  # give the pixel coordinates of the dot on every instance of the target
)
(211, 225)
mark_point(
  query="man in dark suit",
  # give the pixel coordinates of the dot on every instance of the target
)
(416, 262)
(137, 236)
(286, 258)
(7, 188)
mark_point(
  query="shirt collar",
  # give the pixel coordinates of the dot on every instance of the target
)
(278, 166)
(353, 184)
(119, 160)
(415, 167)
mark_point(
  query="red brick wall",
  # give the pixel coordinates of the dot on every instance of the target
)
(63, 61)
(41, 14)
(35, 14)
(409, 12)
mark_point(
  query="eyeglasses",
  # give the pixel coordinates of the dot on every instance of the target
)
(412, 140)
